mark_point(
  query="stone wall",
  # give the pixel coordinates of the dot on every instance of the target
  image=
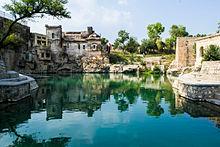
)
(197, 91)
(190, 50)
(185, 53)
(12, 53)
(203, 43)
(203, 85)
(210, 67)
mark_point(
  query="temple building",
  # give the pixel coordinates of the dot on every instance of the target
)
(72, 43)
(190, 50)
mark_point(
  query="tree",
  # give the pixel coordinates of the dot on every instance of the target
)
(120, 42)
(29, 9)
(169, 42)
(212, 53)
(104, 41)
(160, 45)
(132, 45)
(147, 46)
(155, 30)
(176, 31)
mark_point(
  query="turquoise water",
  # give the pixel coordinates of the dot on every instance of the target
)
(108, 110)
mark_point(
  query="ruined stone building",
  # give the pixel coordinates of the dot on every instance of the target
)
(39, 44)
(72, 43)
(55, 51)
(190, 50)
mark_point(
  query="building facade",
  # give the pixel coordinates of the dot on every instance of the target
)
(190, 50)
(72, 43)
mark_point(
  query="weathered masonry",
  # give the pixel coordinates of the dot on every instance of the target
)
(190, 50)
(72, 43)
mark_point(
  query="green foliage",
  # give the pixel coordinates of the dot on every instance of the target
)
(160, 45)
(170, 42)
(154, 44)
(30, 8)
(120, 42)
(117, 58)
(200, 35)
(212, 53)
(155, 30)
(176, 31)
(132, 45)
(104, 41)
(13, 40)
(147, 46)
(157, 70)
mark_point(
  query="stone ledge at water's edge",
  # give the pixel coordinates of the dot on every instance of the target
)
(201, 86)
(16, 87)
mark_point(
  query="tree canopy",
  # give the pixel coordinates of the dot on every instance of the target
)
(123, 37)
(132, 45)
(155, 30)
(29, 9)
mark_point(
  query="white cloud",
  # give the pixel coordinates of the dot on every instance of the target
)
(87, 13)
(122, 2)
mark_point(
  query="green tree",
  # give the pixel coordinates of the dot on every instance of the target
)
(30, 9)
(177, 31)
(120, 42)
(104, 41)
(169, 43)
(212, 53)
(147, 46)
(132, 45)
(160, 45)
(155, 30)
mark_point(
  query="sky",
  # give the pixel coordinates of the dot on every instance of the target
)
(109, 16)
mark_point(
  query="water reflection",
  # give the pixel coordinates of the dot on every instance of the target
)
(87, 93)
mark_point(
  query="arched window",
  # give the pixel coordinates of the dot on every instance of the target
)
(79, 46)
(202, 51)
(53, 35)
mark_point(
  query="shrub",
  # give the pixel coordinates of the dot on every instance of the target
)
(117, 58)
(212, 53)
(157, 70)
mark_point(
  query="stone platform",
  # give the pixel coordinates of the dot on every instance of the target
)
(201, 86)
(14, 86)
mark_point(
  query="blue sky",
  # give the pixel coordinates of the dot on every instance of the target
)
(109, 16)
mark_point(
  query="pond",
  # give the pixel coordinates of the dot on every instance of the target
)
(108, 110)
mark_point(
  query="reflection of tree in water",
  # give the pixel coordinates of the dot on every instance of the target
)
(125, 93)
(29, 141)
(153, 99)
(87, 92)
(78, 92)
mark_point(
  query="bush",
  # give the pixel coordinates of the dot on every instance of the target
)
(212, 53)
(117, 58)
(157, 70)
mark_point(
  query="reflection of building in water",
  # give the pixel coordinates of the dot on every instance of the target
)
(15, 114)
(199, 109)
(79, 93)
(54, 106)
